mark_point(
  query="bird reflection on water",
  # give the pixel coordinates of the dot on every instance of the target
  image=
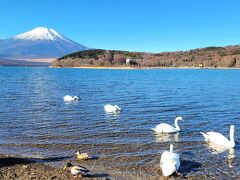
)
(167, 137)
(217, 149)
(231, 157)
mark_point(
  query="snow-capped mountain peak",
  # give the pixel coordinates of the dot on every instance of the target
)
(38, 43)
(41, 33)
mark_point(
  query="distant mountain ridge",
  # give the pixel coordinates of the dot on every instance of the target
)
(39, 43)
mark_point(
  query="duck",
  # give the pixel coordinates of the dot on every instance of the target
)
(68, 98)
(112, 109)
(83, 156)
(77, 171)
(219, 139)
(169, 162)
(166, 128)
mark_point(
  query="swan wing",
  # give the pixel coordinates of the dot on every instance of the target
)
(165, 128)
(164, 156)
(109, 108)
(168, 167)
(218, 138)
(176, 161)
(67, 98)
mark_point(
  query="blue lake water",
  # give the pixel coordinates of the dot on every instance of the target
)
(35, 121)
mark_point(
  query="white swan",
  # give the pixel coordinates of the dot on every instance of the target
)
(112, 109)
(68, 98)
(166, 128)
(219, 139)
(169, 162)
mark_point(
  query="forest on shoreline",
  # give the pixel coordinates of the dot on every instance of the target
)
(210, 57)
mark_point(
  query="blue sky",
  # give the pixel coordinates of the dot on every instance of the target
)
(134, 25)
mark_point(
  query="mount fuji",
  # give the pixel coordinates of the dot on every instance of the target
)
(39, 45)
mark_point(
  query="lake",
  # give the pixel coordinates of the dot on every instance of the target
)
(35, 121)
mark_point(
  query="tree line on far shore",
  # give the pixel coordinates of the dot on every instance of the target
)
(228, 57)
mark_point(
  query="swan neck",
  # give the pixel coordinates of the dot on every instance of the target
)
(176, 124)
(171, 148)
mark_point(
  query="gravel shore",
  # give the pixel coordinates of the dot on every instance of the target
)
(24, 169)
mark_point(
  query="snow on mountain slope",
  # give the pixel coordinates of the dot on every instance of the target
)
(41, 33)
(38, 43)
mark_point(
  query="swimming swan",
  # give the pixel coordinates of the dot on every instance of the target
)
(219, 139)
(166, 128)
(112, 109)
(68, 98)
(169, 162)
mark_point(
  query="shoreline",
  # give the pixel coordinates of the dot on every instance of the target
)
(21, 168)
(125, 68)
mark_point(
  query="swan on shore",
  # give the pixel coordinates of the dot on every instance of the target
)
(112, 109)
(169, 162)
(219, 139)
(68, 98)
(166, 128)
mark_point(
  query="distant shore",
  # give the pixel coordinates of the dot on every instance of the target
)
(128, 67)
(211, 57)
(143, 68)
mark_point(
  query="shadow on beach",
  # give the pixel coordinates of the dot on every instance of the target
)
(11, 161)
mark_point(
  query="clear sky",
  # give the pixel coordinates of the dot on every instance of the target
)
(134, 25)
